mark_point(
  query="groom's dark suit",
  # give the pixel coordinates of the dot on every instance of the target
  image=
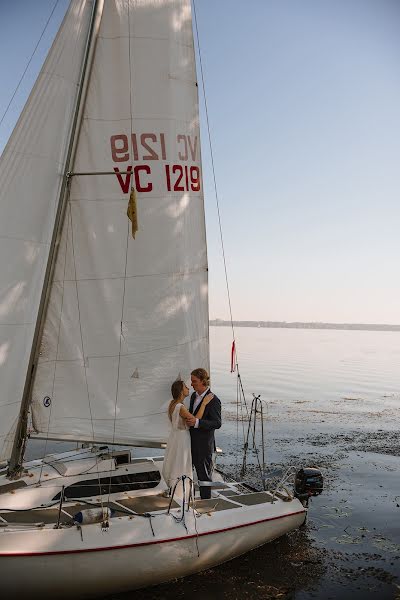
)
(203, 441)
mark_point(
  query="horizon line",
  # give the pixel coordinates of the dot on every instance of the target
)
(309, 324)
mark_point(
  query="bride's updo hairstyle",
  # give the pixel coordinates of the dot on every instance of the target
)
(176, 391)
(177, 388)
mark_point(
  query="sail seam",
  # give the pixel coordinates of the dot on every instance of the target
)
(48, 157)
(123, 200)
(146, 37)
(143, 118)
(24, 324)
(124, 355)
(110, 419)
(121, 277)
(22, 239)
(53, 75)
(9, 404)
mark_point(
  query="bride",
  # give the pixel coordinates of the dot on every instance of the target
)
(178, 454)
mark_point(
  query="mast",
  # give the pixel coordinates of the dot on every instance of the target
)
(21, 430)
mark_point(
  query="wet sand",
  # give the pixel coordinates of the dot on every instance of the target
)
(350, 545)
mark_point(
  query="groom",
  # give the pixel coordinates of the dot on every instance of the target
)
(202, 430)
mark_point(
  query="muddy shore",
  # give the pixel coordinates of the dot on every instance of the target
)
(350, 545)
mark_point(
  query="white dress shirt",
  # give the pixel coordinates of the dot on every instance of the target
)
(197, 400)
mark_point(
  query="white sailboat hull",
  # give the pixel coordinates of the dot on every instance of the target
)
(62, 563)
(42, 480)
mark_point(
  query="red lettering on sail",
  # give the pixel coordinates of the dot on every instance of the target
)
(182, 179)
(195, 179)
(138, 184)
(119, 147)
(182, 138)
(125, 185)
(193, 149)
(143, 140)
(152, 146)
(146, 146)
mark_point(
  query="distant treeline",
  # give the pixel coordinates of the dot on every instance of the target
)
(297, 325)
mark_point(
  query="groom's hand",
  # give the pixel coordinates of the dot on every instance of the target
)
(191, 420)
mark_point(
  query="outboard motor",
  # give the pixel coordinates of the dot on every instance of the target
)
(308, 482)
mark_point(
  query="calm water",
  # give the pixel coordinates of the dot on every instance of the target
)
(332, 400)
(300, 373)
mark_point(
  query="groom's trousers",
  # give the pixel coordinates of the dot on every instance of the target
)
(204, 467)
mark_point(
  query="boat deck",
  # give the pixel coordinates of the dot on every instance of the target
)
(124, 507)
(134, 506)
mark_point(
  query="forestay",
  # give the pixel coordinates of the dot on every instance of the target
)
(31, 169)
(127, 316)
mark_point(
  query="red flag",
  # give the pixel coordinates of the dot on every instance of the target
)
(233, 357)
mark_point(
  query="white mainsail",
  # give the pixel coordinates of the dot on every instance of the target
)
(31, 169)
(126, 316)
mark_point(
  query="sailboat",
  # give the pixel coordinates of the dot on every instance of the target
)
(103, 304)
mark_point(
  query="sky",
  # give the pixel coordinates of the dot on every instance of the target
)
(303, 101)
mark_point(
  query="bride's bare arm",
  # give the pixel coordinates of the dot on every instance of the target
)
(183, 411)
(206, 400)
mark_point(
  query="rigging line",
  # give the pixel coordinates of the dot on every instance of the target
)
(241, 394)
(213, 167)
(237, 425)
(241, 387)
(126, 246)
(58, 347)
(29, 62)
(218, 206)
(81, 336)
(216, 192)
(130, 76)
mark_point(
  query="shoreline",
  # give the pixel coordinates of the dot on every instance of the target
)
(305, 325)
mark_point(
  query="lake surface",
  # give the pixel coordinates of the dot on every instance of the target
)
(332, 400)
(301, 373)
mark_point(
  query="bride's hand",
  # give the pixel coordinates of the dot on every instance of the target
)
(208, 398)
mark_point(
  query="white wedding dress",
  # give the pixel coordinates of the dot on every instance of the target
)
(178, 454)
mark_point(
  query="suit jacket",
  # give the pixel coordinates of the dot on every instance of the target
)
(202, 438)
